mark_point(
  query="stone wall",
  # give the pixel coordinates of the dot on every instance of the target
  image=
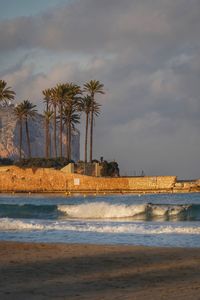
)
(122, 184)
(14, 179)
(34, 180)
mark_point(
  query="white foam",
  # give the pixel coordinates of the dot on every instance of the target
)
(159, 210)
(19, 225)
(176, 210)
(162, 210)
(102, 210)
(7, 224)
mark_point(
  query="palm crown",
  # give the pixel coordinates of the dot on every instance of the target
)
(6, 93)
(94, 87)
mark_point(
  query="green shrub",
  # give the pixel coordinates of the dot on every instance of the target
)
(40, 162)
(6, 162)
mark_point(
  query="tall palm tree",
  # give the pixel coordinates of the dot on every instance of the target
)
(86, 107)
(60, 93)
(70, 108)
(47, 98)
(6, 94)
(29, 112)
(93, 87)
(48, 116)
(54, 103)
(19, 113)
(71, 118)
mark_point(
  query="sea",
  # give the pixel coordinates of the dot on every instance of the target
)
(161, 220)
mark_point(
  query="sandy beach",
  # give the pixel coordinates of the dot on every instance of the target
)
(49, 271)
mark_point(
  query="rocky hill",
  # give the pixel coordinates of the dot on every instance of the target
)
(9, 136)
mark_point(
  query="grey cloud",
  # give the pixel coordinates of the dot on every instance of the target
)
(90, 25)
(147, 54)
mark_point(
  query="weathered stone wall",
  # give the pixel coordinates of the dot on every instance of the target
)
(123, 184)
(187, 186)
(36, 180)
(14, 179)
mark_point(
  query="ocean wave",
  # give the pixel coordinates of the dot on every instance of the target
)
(7, 224)
(101, 210)
(170, 210)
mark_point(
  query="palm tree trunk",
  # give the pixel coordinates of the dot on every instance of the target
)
(86, 136)
(28, 139)
(50, 146)
(91, 127)
(54, 132)
(46, 138)
(61, 128)
(20, 139)
(67, 142)
(91, 135)
(70, 140)
(47, 106)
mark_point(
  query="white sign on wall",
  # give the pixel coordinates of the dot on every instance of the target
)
(76, 181)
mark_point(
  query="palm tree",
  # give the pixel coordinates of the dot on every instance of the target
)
(60, 93)
(47, 98)
(71, 104)
(93, 87)
(29, 112)
(48, 116)
(86, 107)
(6, 94)
(19, 113)
(53, 103)
(71, 118)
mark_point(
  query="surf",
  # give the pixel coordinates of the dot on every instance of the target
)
(101, 210)
(7, 224)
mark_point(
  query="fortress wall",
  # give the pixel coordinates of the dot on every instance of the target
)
(14, 179)
(37, 180)
(123, 183)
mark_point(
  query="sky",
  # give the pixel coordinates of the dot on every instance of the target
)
(147, 55)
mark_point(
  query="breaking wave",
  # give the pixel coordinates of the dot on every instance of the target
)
(105, 210)
(7, 224)
(101, 210)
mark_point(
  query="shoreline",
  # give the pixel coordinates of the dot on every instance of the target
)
(94, 193)
(83, 271)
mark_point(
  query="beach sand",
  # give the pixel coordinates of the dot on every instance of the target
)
(49, 271)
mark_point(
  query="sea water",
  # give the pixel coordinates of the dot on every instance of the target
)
(171, 220)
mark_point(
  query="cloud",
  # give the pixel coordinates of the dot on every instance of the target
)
(147, 53)
(88, 25)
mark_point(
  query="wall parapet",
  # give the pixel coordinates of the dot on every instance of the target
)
(15, 179)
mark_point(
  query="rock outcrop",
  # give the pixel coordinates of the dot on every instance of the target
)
(9, 136)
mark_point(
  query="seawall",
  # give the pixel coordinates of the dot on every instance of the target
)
(44, 180)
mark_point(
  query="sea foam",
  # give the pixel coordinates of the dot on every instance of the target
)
(102, 210)
(7, 224)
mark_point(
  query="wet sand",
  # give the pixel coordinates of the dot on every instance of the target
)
(49, 271)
